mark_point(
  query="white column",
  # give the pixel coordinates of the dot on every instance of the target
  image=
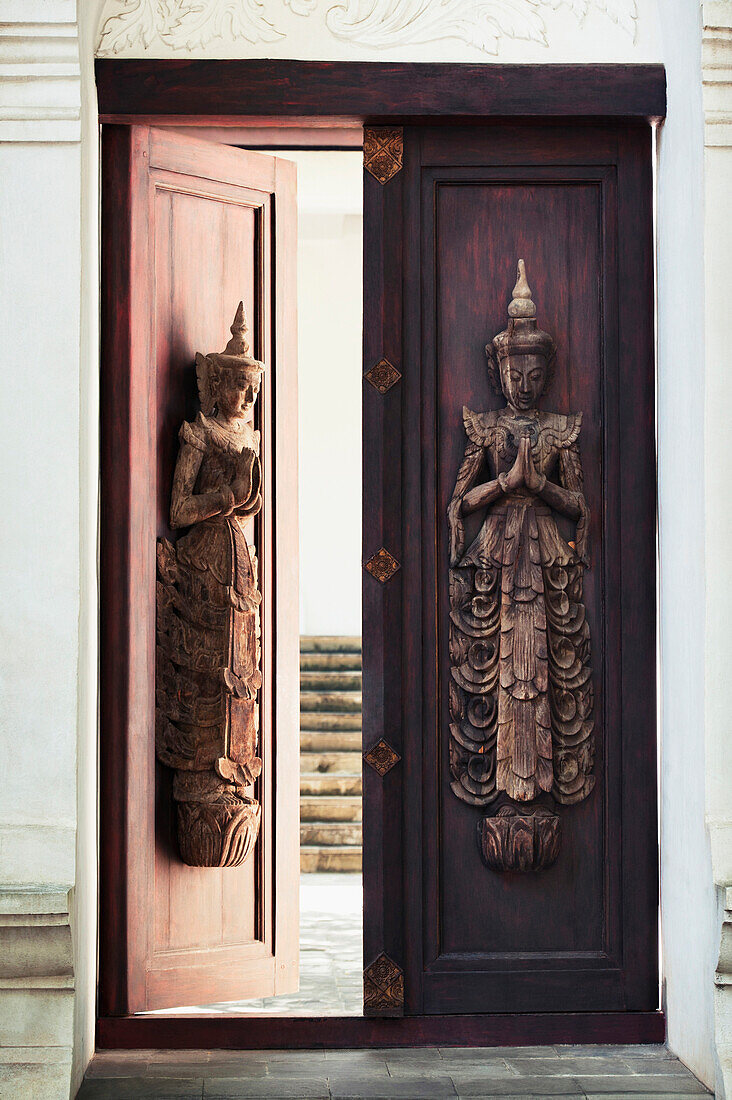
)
(717, 85)
(40, 273)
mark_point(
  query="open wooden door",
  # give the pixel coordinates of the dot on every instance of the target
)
(190, 228)
(499, 881)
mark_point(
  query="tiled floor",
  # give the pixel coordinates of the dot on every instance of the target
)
(330, 938)
(604, 1073)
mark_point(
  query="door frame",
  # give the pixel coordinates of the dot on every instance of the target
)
(236, 93)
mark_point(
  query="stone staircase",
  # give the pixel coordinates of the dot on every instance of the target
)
(330, 754)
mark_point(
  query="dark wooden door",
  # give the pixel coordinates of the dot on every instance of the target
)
(442, 239)
(190, 228)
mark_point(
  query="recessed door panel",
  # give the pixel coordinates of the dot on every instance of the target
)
(191, 228)
(576, 932)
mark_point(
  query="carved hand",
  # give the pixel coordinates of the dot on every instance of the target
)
(227, 499)
(242, 484)
(514, 479)
(533, 480)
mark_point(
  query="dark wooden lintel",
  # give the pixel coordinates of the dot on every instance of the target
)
(372, 91)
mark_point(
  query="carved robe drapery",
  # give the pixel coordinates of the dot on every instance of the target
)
(208, 654)
(521, 696)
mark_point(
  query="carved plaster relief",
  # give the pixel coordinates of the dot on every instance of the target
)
(137, 25)
(481, 24)
(184, 24)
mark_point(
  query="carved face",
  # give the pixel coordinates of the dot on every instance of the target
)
(236, 393)
(522, 380)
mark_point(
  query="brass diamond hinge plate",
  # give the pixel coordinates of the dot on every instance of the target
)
(382, 565)
(383, 988)
(382, 757)
(383, 375)
(383, 151)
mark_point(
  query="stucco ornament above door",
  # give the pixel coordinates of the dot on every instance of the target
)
(137, 26)
(480, 23)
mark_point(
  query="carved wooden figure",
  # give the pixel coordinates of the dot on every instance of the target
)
(521, 697)
(207, 668)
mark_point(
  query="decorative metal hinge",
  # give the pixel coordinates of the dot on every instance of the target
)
(383, 151)
(383, 375)
(382, 757)
(382, 565)
(383, 988)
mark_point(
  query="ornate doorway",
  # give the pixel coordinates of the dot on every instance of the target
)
(447, 937)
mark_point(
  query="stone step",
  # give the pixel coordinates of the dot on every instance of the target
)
(330, 808)
(341, 702)
(330, 662)
(345, 763)
(329, 859)
(329, 720)
(330, 741)
(331, 834)
(330, 681)
(327, 643)
(333, 784)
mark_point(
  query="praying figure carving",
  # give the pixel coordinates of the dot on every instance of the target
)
(521, 695)
(208, 653)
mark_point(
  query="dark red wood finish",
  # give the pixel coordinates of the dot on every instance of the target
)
(442, 241)
(342, 1032)
(189, 229)
(375, 90)
(317, 94)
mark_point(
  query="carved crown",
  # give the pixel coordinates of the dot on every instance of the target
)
(522, 336)
(235, 356)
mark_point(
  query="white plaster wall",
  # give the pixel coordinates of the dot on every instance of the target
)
(49, 280)
(85, 895)
(530, 31)
(329, 299)
(689, 921)
(40, 272)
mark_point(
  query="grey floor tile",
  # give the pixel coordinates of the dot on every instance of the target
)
(158, 1070)
(573, 1067)
(589, 1050)
(366, 1087)
(642, 1095)
(121, 1067)
(516, 1086)
(347, 1063)
(141, 1088)
(656, 1065)
(167, 1055)
(670, 1085)
(476, 1054)
(275, 1057)
(281, 1088)
(519, 1096)
(496, 1070)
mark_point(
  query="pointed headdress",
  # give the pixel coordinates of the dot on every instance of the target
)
(235, 356)
(522, 336)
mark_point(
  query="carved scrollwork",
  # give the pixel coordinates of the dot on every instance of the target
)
(382, 566)
(515, 841)
(383, 988)
(383, 151)
(521, 695)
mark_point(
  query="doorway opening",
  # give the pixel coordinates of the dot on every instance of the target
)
(329, 312)
(411, 853)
